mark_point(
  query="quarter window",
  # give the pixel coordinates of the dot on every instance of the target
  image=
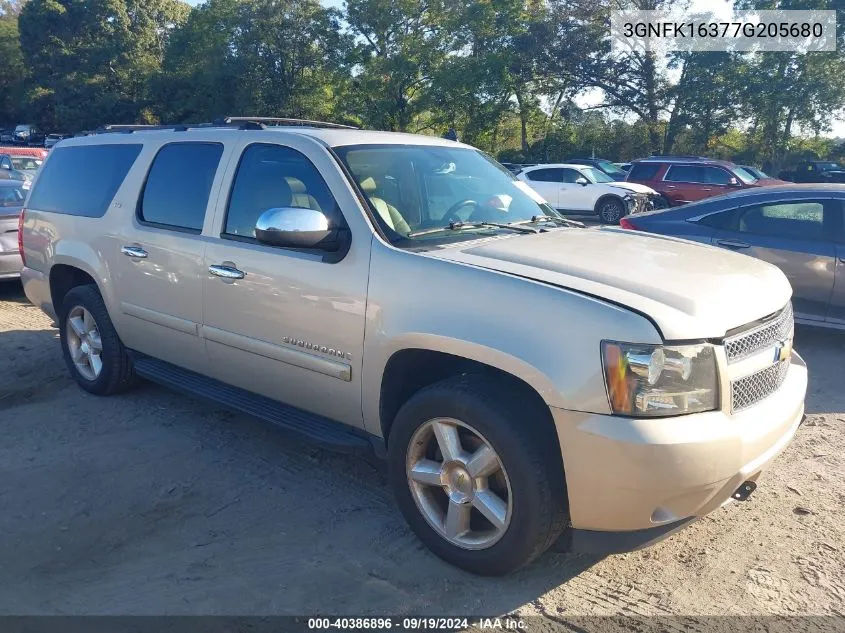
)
(179, 185)
(270, 177)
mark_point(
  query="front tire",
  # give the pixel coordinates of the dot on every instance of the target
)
(477, 474)
(610, 210)
(93, 352)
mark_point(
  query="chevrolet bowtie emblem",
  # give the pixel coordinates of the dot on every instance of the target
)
(783, 351)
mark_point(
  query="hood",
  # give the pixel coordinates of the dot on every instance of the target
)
(690, 290)
(770, 182)
(635, 187)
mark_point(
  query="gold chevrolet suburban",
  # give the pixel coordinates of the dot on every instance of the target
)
(530, 382)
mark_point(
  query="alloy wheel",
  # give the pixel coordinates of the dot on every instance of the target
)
(84, 343)
(459, 483)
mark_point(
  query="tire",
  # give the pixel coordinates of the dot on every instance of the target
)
(115, 373)
(662, 202)
(610, 210)
(522, 437)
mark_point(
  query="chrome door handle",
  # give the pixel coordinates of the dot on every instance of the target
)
(134, 251)
(671, 186)
(226, 272)
(732, 244)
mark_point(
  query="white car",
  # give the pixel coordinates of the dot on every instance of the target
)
(585, 189)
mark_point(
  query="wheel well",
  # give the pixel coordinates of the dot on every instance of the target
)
(63, 278)
(410, 370)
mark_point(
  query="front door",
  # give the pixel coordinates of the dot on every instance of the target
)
(575, 196)
(287, 324)
(158, 259)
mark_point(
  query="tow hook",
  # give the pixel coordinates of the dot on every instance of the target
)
(744, 491)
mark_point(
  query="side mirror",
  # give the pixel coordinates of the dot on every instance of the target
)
(293, 227)
(582, 181)
(733, 182)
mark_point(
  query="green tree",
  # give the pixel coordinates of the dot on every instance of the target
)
(12, 69)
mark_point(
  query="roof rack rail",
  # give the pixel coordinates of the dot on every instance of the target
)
(129, 129)
(268, 120)
(679, 157)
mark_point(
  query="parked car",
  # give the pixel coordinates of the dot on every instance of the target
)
(28, 134)
(683, 179)
(585, 189)
(7, 137)
(610, 169)
(799, 228)
(371, 291)
(822, 171)
(35, 152)
(52, 139)
(758, 173)
(12, 196)
(26, 165)
(9, 173)
(626, 167)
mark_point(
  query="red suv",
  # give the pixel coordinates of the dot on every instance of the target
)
(682, 179)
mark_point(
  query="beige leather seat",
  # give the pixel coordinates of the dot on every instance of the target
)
(388, 213)
(300, 197)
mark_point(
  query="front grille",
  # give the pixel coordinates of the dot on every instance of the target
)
(748, 391)
(778, 328)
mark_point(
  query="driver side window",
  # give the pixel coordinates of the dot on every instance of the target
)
(570, 175)
(271, 177)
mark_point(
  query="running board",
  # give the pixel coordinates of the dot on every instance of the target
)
(302, 424)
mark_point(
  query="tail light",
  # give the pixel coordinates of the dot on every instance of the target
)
(625, 223)
(20, 236)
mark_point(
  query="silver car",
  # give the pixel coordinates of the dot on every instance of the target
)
(12, 196)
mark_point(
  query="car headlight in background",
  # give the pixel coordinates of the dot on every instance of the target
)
(659, 380)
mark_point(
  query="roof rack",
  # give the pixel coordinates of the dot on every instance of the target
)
(129, 129)
(677, 157)
(267, 120)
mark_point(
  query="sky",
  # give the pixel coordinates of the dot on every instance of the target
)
(594, 97)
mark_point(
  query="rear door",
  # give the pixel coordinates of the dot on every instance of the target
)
(687, 183)
(547, 182)
(157, 259)
(793, 235)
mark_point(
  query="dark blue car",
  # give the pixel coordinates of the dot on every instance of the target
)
(798, 228)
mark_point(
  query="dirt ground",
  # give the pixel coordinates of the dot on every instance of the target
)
(152, 503)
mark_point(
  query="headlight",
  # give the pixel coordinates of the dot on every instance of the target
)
(657, 380)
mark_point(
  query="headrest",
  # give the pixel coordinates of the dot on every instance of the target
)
(368, 184)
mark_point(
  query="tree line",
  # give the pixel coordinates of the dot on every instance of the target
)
(508, 75)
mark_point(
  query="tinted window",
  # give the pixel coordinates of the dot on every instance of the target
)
(796, 220)
(723, 220)
(644, 171)
(269, 177)
(83, 180)
(545, 175)
(715, 176)
(178, 185)
(570, 175)
(684, 173)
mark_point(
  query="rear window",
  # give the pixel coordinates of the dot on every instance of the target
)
(179, 184)
(83, 180)
(644, 171)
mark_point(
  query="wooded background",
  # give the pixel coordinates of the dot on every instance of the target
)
(506, 74)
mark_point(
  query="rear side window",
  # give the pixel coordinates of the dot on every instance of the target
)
(716, 176)
(644, 171)
(83, 180)
(545, 175)
(685, 173)
(179, 184)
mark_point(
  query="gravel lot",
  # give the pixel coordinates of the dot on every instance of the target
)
(153, 503)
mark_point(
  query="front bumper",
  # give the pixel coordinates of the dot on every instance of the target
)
(626, 475)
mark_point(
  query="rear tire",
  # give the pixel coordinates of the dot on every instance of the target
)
(93, 351)
(610, 210)
(521, 486)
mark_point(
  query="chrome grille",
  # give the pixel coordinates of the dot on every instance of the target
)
(750, 390)
(777, 329)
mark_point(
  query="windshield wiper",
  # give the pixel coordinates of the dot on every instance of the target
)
(457, 226)
(559, 221)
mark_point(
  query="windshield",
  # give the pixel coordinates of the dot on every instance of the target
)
(611, 169)
(757, 173)
(829, 167)
(596, 175)
(24, 163)
(744, 175)
(417, 187)
(11, 196)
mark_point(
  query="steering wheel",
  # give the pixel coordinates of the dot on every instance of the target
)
(451, 214)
